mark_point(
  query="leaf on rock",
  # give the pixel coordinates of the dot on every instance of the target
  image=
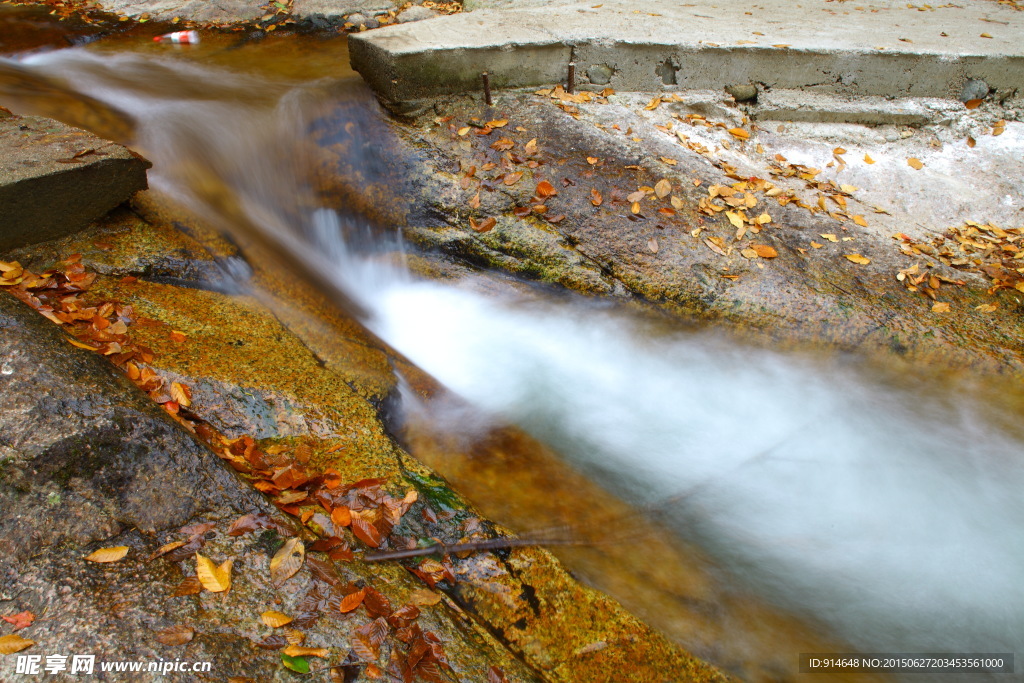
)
(190, 586)
(24, 619)
(512, 178)
(485, 225)
(299, 651)
(296, 664)
(859, 220)
(14, 643)
(352, 601)
(424, 597)
(940, 307)
(275, 619)
(739, 133)
(546, 189)
(287, 561)
(858, 259)
(663, 188)
(364, 531)
(108, 554)
(915, 163)
(764, 251)
(652, 245)
(595, 198)
(215, 579)
(175, 635)
(182, 394)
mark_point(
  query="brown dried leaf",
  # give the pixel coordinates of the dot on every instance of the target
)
(352, 601)
(182, 394)
(175, 635)
(287, 561)
(512, 178)
(485, 225)
(652, 245)
(546, 189)
(764, 251)
(424, 597)
(190, 586)
(365, 532)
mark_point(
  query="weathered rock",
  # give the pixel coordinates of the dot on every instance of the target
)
(742, 93)
(974, 89)
(600, 74)
(339, 11)
(224, 11)
(415, 13)
(55, 179)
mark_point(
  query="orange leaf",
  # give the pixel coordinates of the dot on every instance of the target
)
(513, 178)
(352, 600)
(764, 251)
(973, 104)
(484, 226)
(341, 516)
(739, 133)
(545, 189)
(595, 198)
(108, 554)
(915, 163)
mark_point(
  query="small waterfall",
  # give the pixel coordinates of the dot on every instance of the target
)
(888, 508)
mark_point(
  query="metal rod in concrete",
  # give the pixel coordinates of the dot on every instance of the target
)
(571, 80)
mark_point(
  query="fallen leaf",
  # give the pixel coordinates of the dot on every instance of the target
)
(20, 620)
(287, 561)
(986, 35)
(652, 245)
(463, 131)
(14, 643)
(341, 515)
(868, 159)
(483, 226)
(940, 307)
(275, 619)
(503, 144)
(830, 237)
(764, 251)
(915, 163)
(735, 218)
(296, 664)
(177, 337)
(352, 601)
(859, 220)
(182, 394)
(531, 146)
(971, 142)
(739, 133)
(175, 635)
(213, 578)
(592, 160)
(595, 198)
(108, 554)
(748, 253)
(299, 651)
(858, 259)
(676, 202)
(364, 531)
(984, 308)
(512, 178)
(973, 104)
(497, 123)
(816, 245)
(190, 586)
(546, 189)
(424, 597)
(662, 188)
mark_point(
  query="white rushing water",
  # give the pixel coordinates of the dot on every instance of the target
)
(894, 514)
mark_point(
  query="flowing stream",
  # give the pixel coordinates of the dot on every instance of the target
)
(884, 505)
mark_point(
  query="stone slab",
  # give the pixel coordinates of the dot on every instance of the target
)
(55, 179)
(882, 48)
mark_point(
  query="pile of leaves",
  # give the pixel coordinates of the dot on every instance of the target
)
(983, 248)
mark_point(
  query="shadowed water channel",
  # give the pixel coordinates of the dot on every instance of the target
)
(810, 500)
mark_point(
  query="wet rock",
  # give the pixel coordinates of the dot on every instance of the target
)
(416, 13)
(600, 74)
(55, 179)
(974, 89)
(742, 93)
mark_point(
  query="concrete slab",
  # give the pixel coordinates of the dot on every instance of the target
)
(881, 48)
(55, 179)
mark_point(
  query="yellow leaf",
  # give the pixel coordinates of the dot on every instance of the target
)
(214, 579)
(940, 307)
(182, 394)
(859, 220)
(816, 245)
(108, 554)
(497, 123)
(424, 597)
(14, 643)
(463, 131)
(299, 651)
(677, 203)
(986, 35)
(839, 150)
(915, 163)
(531, 146)
(986, 308)
(748, 253)
(275, 619)
(592, 160)
(868, 159)
(858, 259)
(287, 561)
(739, 133)
(75, 342)
(829, 237)
(662, 188)
(764, 251)
(734, 218)
(653, 104)
(635, 208)
(848, 188)
(670, 162)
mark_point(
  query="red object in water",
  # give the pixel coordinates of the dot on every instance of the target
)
(179, 37)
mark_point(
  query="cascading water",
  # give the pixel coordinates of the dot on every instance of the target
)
(890, 511)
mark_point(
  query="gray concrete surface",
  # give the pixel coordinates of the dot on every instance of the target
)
(882, 48)
(55, 179)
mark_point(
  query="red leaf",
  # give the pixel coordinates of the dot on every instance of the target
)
(20, 620)
(546, 189)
